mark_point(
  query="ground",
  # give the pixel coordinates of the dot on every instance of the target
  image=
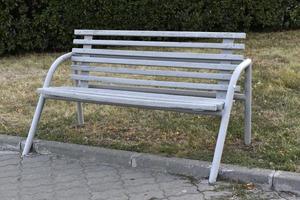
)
(51, 177)
(276, 113)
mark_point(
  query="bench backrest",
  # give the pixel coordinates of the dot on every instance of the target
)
(155, 61)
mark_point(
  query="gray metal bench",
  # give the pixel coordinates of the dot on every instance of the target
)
(203, 81)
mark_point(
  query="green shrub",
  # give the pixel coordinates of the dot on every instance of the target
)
(38, 25)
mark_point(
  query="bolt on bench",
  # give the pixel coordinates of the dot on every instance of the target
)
(109, 67)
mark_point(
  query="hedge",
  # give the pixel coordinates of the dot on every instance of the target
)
(39, 25)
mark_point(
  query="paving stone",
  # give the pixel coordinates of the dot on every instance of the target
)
(143, 188)
(9, 188)
(32, 165)
(34, 176)
(188, 197)
(69, 185)
(72, 191)
(6, 153)
(177, 190)
(37, 170)
(35, 190)
(178, 187)
(151, 194)
(12, 171)
(4, 163)
(9, 197)
(36, 182)
(181, 191)
(36, 158)
(100, 175)
(39, 196)
(133, 174)
(71, 172)
(95, 167)
(110, 194)
(102, 180)
(66, 166)
(137, 182)
(163, 178)
(217, 194)
(7, 180)
(204, 186)
(106, 186)
(62, 178)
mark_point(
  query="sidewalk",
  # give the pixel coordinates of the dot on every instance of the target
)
(55, 177)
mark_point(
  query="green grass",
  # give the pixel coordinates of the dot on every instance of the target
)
(276, 111)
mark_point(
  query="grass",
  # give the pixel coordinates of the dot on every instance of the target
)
(276, 111)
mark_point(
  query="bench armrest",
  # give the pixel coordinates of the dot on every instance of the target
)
(234, 78)
(54, 66)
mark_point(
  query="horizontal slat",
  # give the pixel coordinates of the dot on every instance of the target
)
(185, 92)
(182, 110)
(136, 98)
(155, 63)
(143, 95)
(159, 55)
(233, 46)
(127, 81)
(217, 76)
(185, 34)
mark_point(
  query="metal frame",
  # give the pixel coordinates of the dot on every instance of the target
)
(41, 102)
(246, 66)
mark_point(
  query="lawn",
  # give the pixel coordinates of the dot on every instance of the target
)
(276, 111)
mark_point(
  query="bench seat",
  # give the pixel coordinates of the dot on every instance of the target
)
(130, 98)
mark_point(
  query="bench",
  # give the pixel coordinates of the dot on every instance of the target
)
(193, 72)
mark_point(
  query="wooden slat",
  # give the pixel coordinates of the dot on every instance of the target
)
(155, 63)
(159, 55)
(134, 98)
(234, 46)
(183, 34)
(217, 76)
(127, 81)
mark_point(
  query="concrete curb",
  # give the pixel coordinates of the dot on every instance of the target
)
(271, 179)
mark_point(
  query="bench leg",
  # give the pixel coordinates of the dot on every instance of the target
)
(247, 104)
(219, 147)
(34, 123)
(80, 118)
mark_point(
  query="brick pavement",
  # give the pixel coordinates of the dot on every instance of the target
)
(54, 177)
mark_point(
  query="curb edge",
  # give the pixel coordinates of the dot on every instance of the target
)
(270, 179)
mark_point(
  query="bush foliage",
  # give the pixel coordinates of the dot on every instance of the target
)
(27, 25)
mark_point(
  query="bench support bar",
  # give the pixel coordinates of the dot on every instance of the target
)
(34, 123)
(219, 146)
(247, 105)
(80, 118)
(226, 116)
